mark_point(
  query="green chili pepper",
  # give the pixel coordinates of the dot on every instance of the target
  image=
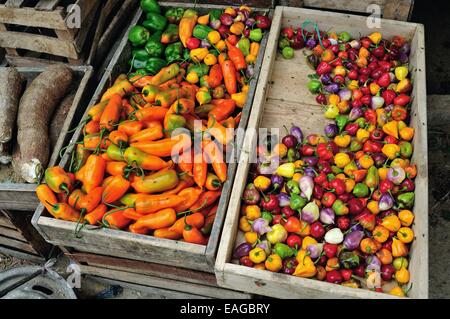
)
(174, 52)
(154, 49)
(170, 35)
(154, 65)
(341, 122)
(140, 54)
(244, 45)
(201, 31)
(314, 86)
(344, 36)
(406, 149)
(372, 178)
(150, 6)
(175, 121)
(361, 122)
(297, 202)
(115, 153)
(215, 14)
(288, 53)
(256, 35)
(284, 43)
(155, 22)
(293, 155)
(293, 187)
(406, 200)
(174, 15)
(267, 216)
(201, 69)
(361, 190)
(138, 36)
(283, 250)
(340, 208)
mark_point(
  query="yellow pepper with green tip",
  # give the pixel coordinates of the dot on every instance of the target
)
(286, 170)
(240, 99)
(375, 37)
(306, 267)
(198, 55)
(401, 72)
(362, 135)
(391, 129)
(391, 150)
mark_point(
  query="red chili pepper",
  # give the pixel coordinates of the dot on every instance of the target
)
(371, 116)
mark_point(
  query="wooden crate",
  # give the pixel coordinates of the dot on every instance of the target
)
(282, 98)
(132, 246)
(165, 279)
(22, 197)
(18, 238)
(30, 29)
(390, 9)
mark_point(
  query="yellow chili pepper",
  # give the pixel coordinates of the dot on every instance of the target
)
(341, 160)
(334, 99)
(391, 129)
(306, 267)
(198, 55)
(274, 263)
(391, 223)
(210, 59)
(362, 135)
(257, 255)
(372, 206)
(340, 70)
(363, 52)
(203, 97)
(250, 59)
(308, 241)
(401, 72)
(244, 225)
(406, 217)
(252, 212)
(343, 140)
(375, 37)
(366, 161)
(260, 266)
(353, 85)
(192, 78)
(280, 150)
(400, 162)
(381, 117)
(382, 172)
(254, 48)
(262, 183)
(391, 150)
(297, 177)
(214, 37)
(374, 88)
(402, 276)
(299, 164)
(251, 237)
(405, 234)
(397, 291)
(240, 99)
(403, 86)
(407, 133)
(349, 185)
(399, 248)
(221, 45)
(237, 28)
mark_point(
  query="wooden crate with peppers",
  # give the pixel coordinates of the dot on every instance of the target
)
(148, 178)
(336, 204)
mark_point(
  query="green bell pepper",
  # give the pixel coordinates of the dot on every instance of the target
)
(174, 15)
(140, 54)
(171, 34)
(349, 259)
(283, 250)
(138, 36)
(174, 52)
(341, 122)
(406, 200)
(406, 149)
(150, 6)
(154, 49)
(244, 45)
(203, 82)
(154, 65)
(267, 216)
(256, 35)
(314, 86)
(137, 64)
(297, 202)
(361, 190)
(201, 69)
(155, 22)
(340, 208)
(201, 31)
(140, 72)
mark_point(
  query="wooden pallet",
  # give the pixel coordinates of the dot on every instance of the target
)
(19, 239)
(166, 279)
(21, 196)
(390, 9)
(282, 97)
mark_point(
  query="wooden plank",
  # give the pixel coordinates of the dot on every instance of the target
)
(39, 43)
(275, 81)
(14, 3)
(144, 268)
(11, 243)
(22, 255)
(175, 285)
(28, 17)
(5, 222)
(150, 292)
(12, 233)
(46, 5)
(439, 110)
(398, 9)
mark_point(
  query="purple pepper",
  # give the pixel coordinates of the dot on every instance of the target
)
(277, 181)
(205, 44)
(311, 160)
(331, 130)
(327, 216)
(250, 22)
(309, 171)
(379, 159)
(405, 48)
(404, 58)
(242, 250)
(284, 200)
(297, 132)
(250, 71)
(311, 43)
(386, 202)
(325, 78)
(353, 239)
(332, 88)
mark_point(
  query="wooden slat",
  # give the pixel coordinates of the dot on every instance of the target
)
(12, 233)
(5, 222)
(22, 255)
(46, 5)
(11, 243)
(14, 3)
(28, 17)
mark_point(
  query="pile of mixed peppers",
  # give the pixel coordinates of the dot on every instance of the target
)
(338, 206)
(137, 168)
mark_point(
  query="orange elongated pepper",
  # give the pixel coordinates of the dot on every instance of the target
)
(186, 181)
(58, 180)
(187, 24)
(156, 183)
(223, 109)
(118, 138)
(130, 127)
(165, 233)
(116, 168)
(220, 132)
(165, 147)
(185, 161)
(95, 113)
(200, 168)
(153, 132)
(111, 114)
(134, 156)
(195, 220)
(132, 214)
(116, 220)
(194, 236)
(96, 216)
(161, 219)
(65, 212)
(92, 127)
(115, 190)
(46, 196)
(148, 204)
(236, 56)
(229, 75)
(91, 200)
(121, 88)
(94, 172)
(155, 113)
(215, 157)
(191, 196)
(206, 199)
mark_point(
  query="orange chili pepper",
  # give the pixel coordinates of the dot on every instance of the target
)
(165, 233)
(185, 161)
(92, 127)
(94, 141)
(215, 76)
(148, 204)
(135, 156)
(65, 212)
(190, 196)
(200, 168)
(111, 114)
(115, 219)
(91, 200)
(215, 156)
(130, 213)
(229, 123)
(96, 216)
(206, 199)
(94, 172)
(236, 56)
(213, 183)
(118, 138)
(229, 73)
(136, 230)
(130, 127)
(224, 108)
(186, 181)
(155, 113)
(196, 220)
(46, 196)
(183, 106)
(153, 132)
(193, 235)
(95, 112)
(220, 133)
(165, 147)
(140, 81)
(115, 190)
(161, 219)
(116, 168)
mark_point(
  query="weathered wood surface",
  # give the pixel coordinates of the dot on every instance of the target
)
(282, 98)
(132, 246)
(22, 196)
(439, 110)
